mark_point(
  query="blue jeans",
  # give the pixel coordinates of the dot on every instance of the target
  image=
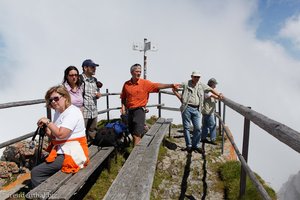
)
(209, 124)
(189, 115)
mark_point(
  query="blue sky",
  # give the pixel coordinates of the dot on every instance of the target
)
(251, 47)
(272, 16)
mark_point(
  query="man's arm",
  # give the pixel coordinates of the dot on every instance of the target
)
(123, 107)
(164, 86)
(123, 101)
(218, 94)
(177, 94)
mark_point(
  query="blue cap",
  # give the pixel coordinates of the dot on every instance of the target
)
(89, 63)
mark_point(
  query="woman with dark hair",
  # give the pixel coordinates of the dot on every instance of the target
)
(68, 148)
(73, 84)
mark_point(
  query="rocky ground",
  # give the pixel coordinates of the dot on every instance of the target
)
(189, 175)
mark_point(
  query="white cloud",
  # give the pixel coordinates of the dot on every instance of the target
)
(291, 30)
(42, 39)
(291, 188)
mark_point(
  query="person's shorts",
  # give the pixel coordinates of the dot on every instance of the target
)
(136, 121)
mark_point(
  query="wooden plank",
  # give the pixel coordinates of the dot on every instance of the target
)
(142, 185)
(122, 184)
(280, 131)
(15, 140)
(48, 187)
(21, 103)
(67, 190)
(135, 179)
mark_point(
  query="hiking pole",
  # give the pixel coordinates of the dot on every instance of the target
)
(41, 132)
(32, 143)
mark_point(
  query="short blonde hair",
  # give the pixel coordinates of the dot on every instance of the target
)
(60, 89)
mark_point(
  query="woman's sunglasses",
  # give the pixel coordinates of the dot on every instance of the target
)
(56, 99)
(73, 75)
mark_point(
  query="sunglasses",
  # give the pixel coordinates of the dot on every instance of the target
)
(56, 99)
(71, 75)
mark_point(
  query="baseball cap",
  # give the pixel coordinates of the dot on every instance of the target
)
(213, 80)
(89, 63)
(196, 73)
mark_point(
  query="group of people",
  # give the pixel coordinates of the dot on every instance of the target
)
(75, 117)
(74, 121)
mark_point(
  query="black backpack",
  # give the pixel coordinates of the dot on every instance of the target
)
(105, 137)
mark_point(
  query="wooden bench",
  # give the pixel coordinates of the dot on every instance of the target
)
(135, 178)
(62, 185)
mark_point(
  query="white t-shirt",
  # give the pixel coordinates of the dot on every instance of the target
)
(72, 119)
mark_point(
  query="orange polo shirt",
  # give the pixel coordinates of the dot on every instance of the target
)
(137, 94)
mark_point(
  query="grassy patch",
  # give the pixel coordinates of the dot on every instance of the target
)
(230, 175)
(160, 175)
(151, 120)
(106, 177)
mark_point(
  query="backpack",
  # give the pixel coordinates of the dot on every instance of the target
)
(118, 126)
(105, 137)
(122, 133)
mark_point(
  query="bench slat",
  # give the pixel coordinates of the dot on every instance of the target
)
(48, 187)
(142, 184)
(136, 176)
(67, 190)
(123, 182)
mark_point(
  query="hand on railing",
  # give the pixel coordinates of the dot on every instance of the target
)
(98, 95)
(175, 86)
(221, 96)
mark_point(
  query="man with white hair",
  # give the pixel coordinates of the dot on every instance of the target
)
(191, 98)
(134, 98)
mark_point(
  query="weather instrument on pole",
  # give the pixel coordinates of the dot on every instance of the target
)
(146, 46)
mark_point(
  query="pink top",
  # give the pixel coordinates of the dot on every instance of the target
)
(76, 96)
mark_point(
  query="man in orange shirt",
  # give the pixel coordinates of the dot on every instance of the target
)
(134, 98)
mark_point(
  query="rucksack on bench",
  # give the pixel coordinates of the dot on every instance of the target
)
(122, 133)
(112, 134)
(105, 137)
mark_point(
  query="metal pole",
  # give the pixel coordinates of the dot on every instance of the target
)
(107, 104)
(49, 116)
(220, 114)
(224, 109)
(223, 139)
(145, 59)
(245, 156)
(159, 102)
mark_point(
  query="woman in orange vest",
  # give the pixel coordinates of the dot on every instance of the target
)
(68, 147)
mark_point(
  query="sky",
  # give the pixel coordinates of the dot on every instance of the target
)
(251, 47)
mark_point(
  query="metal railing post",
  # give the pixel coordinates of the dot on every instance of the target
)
(107, 104)
(159, 102)
(220, 114)
(48, 111)
(245, 149)
(223, 135)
